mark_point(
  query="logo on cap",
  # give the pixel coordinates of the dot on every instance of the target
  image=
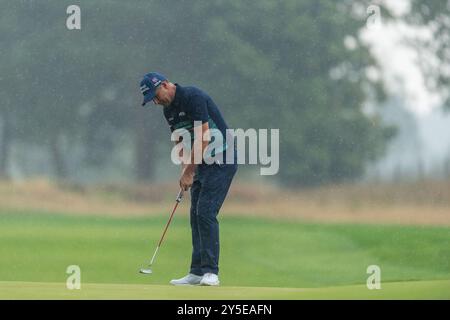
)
(144, 89)
(156, 82)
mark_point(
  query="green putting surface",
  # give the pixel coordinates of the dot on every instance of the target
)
(280, 256)
(395, 290)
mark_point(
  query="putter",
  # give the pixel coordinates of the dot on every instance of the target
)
(149, 270)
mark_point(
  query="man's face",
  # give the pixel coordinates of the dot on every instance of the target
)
(163, 95)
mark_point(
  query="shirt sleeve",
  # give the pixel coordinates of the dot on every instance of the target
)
(198, 108)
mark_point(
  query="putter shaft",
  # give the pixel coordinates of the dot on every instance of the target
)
(154, 255)
(178, 200)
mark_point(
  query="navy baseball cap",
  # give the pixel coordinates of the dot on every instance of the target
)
(149, 84)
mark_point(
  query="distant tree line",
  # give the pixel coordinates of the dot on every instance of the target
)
(268, 64)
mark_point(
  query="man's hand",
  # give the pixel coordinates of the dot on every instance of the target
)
(187, 177)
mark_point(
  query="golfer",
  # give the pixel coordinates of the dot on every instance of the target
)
(208, 183)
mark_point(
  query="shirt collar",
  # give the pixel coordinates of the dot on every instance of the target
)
(179, 95)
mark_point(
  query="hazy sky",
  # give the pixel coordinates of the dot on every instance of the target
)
(400, 69)
(404, 79)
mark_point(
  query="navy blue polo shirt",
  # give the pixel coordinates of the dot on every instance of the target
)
(192, 104)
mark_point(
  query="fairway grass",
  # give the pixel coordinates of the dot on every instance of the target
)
(395, 290)
(261, 259)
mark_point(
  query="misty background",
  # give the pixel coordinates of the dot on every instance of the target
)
(354, 102)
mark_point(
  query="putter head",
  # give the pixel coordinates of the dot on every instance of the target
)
(145, 271)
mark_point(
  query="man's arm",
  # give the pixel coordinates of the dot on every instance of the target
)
(188, 170)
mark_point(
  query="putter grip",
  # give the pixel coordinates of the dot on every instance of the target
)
(179, 196)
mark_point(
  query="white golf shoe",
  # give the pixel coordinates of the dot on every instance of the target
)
(190, 279)
(210, 279)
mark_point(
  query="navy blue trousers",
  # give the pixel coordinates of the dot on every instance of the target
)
(208, 191)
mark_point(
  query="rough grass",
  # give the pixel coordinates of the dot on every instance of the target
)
(422, 203)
